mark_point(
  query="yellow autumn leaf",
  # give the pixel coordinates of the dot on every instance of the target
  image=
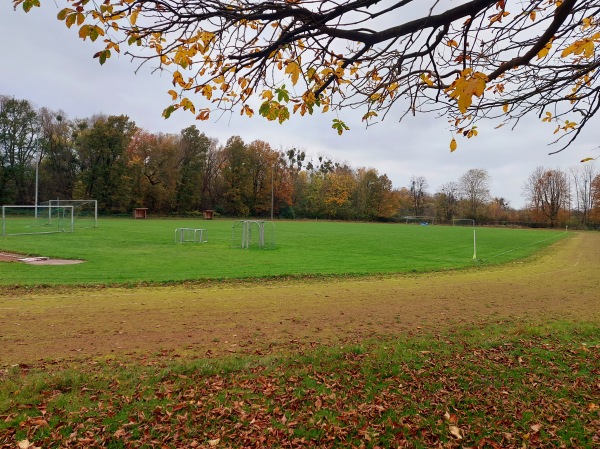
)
(587, 159)
(505, 108)
(84, 31)
(453, 145)
(466, 86)
(544, 51)
(583, 46)
(178, 79)
(207, 91)
(187, 105)
(587, 22)
(425, 78)
(368, 115)
(293, 69)
(134, 15)
(173, 94)
(267, 95)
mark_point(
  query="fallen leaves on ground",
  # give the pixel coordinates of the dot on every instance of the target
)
(530, 392)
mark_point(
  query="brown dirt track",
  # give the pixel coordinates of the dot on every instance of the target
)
(562, 283)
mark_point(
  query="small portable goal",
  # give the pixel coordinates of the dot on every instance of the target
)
(247, 234)
(193, 235)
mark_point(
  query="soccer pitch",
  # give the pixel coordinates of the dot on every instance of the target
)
(125, 251)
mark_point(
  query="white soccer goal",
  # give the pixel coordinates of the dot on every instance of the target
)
(85, 212)
(253, 234)
(194, 235)
(463, 222)
(19, 219)
(418, 219)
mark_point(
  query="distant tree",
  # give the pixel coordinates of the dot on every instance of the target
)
(583, 191)
(388, 199)
(262, 164)
(546, 191)
(474, 188)
(338, 189)
(193, 148)
(59, 167)
(19, 149)
(469, 60)
(595, 215)
(236, 181)
(153, 166)
(498, 209)
(417, 189)
(446, 201)
(102, 146)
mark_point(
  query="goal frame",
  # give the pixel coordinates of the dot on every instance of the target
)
(469, 220)
(419, 219)
(71, 220)
(75, 204)
(263, 228)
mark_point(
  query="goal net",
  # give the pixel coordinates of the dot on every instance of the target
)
(247, 234)
(85, 212)
(19, 220)
(419, 220)
(463, 222)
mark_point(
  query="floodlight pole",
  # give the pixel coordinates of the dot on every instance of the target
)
(37, 170)
(272, 190)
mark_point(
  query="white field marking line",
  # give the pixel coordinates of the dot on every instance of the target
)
(529, 244)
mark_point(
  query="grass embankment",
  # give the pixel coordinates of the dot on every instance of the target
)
(125, 251)
(493, 386)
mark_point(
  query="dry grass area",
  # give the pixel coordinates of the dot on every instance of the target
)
(260, 317)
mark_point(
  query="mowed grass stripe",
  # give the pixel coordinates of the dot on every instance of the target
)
(131, 251)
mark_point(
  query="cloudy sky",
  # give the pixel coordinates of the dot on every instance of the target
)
(44, 62)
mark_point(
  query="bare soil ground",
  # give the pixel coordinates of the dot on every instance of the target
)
(562, 283)
(11, 257)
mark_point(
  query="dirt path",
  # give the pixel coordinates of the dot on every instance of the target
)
(562, 283)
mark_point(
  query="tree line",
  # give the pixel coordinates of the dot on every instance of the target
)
(110, 159)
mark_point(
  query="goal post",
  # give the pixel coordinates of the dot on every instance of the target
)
(247, 234)
(21, 220)
(85, 212)
(418, 220)
(463, 222)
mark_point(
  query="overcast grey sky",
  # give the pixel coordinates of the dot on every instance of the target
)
(44, 62)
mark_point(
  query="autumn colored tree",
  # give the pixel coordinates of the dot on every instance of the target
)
(153, 166)
(478, 59)
(338, 188)
(446, 201)
(498, 209)
(547, 193)
(595, 215)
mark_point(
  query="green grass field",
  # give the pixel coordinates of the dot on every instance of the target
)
(124, 251)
